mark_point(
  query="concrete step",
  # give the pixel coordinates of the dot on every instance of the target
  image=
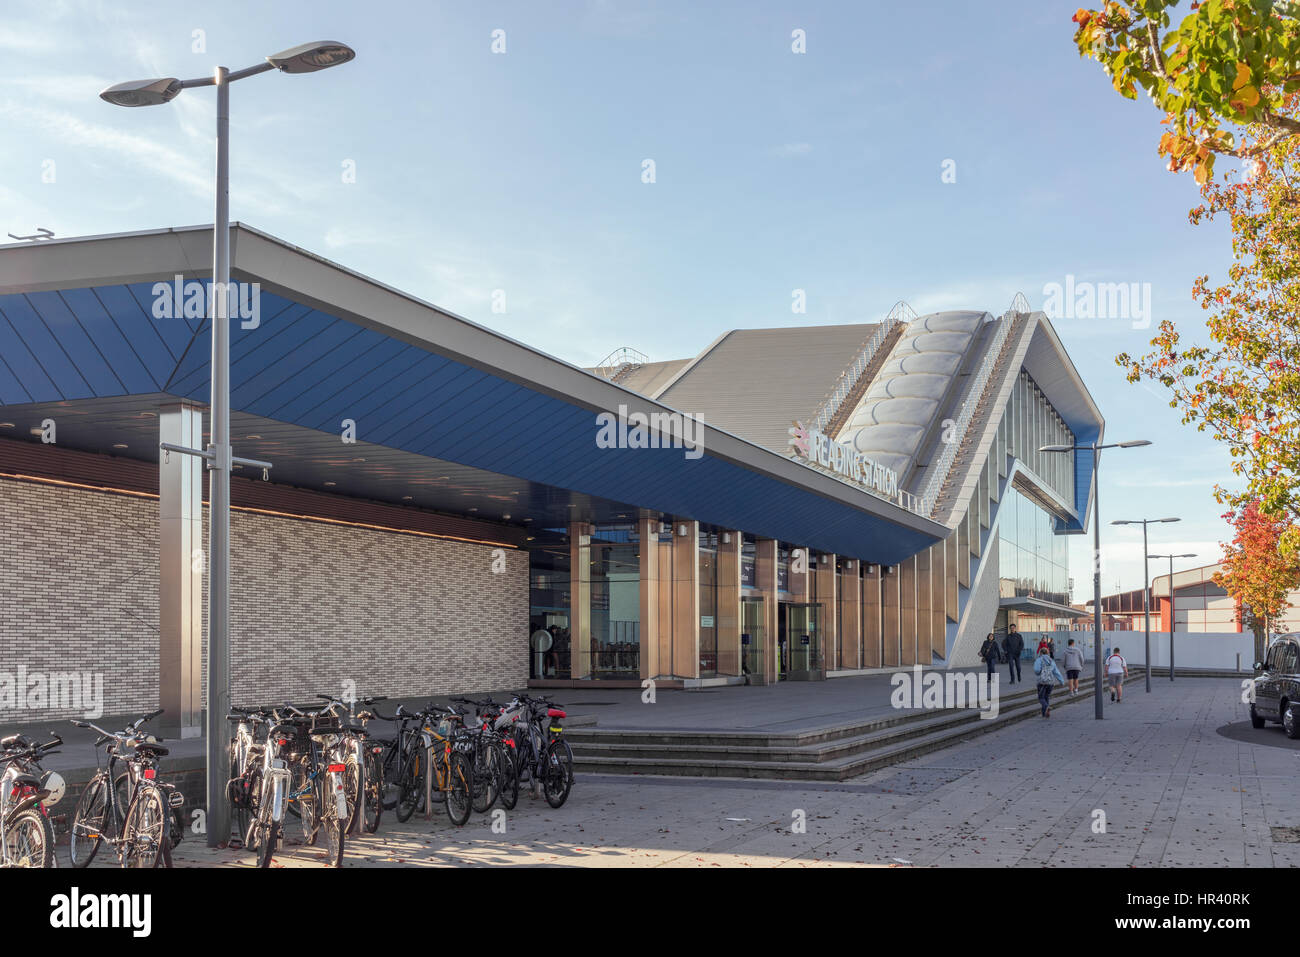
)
(827, 760)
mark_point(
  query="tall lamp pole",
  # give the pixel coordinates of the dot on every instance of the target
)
(307, 58)
(1146, 578)
(1095, 449)
(1171, 604)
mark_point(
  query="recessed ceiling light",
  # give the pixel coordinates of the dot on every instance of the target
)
(119, 445)
(36, 430)
(148, 415)
(6, 425)
(473, 510)
(358, 460)
(506, 516)
(236, 466)
(407, 498)
(252, 436)
(329, 484)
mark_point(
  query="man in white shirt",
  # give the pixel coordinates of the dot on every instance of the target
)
(1116, 672)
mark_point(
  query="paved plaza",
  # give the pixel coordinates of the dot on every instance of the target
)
(1173, 789)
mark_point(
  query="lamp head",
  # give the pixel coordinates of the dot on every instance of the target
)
(310, 57)
(142, 92)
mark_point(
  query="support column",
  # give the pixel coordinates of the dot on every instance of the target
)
(686, 598)
(647, 530)
(828, 596)
(580, 599)
(728, 623)
(851, 620)
(872, 654)
(180, 574)
(765, 580)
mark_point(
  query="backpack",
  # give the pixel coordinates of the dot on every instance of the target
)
(1045, 668)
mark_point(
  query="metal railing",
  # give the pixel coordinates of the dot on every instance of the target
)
(974, 395)
(901, 312)
(618, 360)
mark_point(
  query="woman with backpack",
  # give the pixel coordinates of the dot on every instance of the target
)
(1048, 676)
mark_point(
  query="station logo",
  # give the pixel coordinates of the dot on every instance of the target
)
(815, 447)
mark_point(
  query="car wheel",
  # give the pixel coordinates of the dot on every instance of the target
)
(1291, 721)
(1255, 720)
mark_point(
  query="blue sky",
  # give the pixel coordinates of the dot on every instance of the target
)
(522, 172)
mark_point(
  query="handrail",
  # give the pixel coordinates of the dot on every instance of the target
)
(901, 312)
(974, 395)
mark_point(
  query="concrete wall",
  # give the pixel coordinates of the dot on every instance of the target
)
(1191, 650)
(312, 605)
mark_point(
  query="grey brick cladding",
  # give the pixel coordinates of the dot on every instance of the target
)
(312, 605)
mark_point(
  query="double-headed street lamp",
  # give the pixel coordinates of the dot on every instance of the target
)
(307, 58)
(1171, 604)
(1146, 607)
(1095, 449)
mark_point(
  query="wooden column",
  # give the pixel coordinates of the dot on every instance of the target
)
(686, 598)
(648, 554)
(580, 599)
(871, 646)
(728, 618)
(765, 580)
(850, 588)
(828, 597)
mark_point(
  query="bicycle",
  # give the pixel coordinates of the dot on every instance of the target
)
(135, 812)
(318, 790)
(26, 793)
(432, 757)
(364, 774)
(545, 758)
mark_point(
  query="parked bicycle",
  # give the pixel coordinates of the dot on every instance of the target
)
(429, 755)
(318, 790)
(545, 758)
(27, 792)
(137, 814)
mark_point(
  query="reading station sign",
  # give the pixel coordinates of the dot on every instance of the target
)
(815, 447)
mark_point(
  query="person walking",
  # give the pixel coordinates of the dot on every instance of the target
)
(1012, 646)
(989, 654)
(1116, 672)
(1048, 676)
(1073, 666)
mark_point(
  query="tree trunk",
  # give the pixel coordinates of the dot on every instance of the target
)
(1258, 628)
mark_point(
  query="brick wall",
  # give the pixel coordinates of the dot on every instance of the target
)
(312, 604)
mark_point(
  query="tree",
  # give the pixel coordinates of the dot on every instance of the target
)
(1244, 387)
(1229, 64)
(1260, 568)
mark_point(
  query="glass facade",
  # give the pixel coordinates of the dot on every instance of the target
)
(615, 602)
(1033, 561)
(549, 604)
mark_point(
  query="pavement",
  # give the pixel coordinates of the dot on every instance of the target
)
(1168, 779)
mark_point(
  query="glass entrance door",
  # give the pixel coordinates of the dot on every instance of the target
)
(752, 635)
(800, 648)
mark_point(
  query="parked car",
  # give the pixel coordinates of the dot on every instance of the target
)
(1277, 686)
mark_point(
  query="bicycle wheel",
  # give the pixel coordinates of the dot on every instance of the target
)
(145, 836)
(374, 778)
(331, 823)
(87, 831)
(268, 835)
(485, 777)
(303, 806)
(557, 777)
(412, 783)
(353, 787)
(29, 840)
(460, 790)
(508, 787)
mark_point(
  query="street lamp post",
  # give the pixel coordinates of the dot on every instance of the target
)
(1095, 449)
(1171, 604)
(307, 58)
(1146, 606)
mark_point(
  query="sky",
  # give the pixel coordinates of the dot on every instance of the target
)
(949, 155)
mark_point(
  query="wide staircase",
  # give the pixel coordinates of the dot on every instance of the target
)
(831, 753)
